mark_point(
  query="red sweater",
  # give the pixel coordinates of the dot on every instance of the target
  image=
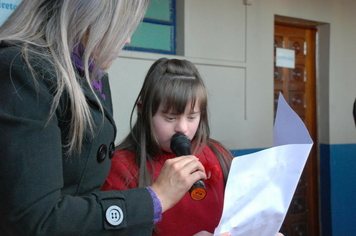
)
(187, 217)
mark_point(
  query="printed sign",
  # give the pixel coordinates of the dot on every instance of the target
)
(285, 58)
(6, 8)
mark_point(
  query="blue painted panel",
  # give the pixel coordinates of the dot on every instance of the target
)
(325, 192)
(343, 189)
(242, 152)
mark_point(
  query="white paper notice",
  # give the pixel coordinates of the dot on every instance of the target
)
(285, 58)
(261, 185)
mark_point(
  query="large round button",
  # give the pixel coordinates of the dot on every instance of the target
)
(101, 155)
(114, 215)
(111, 150)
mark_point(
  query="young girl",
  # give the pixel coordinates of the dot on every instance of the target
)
(173, 99)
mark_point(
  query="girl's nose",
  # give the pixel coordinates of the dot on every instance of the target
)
(181, 126)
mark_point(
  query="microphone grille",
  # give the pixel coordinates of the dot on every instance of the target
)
(180, 141)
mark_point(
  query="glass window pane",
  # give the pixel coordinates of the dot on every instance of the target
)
(152, 36)
(159, 10)
(157, 31)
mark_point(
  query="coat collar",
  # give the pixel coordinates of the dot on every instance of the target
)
(93, 101)
(100, 84)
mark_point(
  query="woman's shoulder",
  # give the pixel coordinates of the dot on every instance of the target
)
(15, 48)
(10, 51)
(10, 44)
(13, 56)
(23, 79)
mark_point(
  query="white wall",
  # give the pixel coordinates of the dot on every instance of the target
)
(232, 46)
(342, 72)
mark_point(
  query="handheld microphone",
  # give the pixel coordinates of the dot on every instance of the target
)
(181, 145)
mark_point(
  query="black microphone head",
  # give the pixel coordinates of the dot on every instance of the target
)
(180, 144)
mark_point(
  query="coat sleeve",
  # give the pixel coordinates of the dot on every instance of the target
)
(31, 173)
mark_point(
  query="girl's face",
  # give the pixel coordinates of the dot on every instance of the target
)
(167, 124)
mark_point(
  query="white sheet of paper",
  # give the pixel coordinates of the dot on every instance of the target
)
(261, 185)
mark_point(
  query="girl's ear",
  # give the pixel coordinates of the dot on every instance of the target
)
(139, 106)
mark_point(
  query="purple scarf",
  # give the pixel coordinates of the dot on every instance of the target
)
(77, 55)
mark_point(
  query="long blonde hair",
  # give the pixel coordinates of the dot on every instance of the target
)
(54, 28)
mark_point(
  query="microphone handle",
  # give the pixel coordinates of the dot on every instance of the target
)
(181, 145)
(198, 191)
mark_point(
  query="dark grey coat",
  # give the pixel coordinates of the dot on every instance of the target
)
(43, 191)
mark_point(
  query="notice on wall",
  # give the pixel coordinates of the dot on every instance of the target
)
(6, 8)
(285, 58)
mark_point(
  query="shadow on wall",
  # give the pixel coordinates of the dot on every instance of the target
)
(354, 111)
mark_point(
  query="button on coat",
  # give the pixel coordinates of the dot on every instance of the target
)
(111, 150)
(102, 152)
(114, 215)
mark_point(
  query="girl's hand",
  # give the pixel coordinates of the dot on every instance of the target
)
(176, 177)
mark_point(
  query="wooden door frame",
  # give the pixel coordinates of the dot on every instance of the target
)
(300, 23)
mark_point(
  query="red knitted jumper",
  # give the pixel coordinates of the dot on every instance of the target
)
(187, 217)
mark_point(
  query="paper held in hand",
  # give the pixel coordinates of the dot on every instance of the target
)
(261, 185)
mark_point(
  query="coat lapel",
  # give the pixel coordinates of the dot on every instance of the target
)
(106, 103)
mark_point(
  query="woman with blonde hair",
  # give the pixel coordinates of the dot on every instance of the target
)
(57, 126)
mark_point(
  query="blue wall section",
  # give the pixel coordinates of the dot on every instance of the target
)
(343, 189)
(242, 152)
(325, 192)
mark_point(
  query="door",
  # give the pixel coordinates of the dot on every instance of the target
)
(298, 88)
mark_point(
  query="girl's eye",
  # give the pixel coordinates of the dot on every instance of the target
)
(192, 117)
(170, 118)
